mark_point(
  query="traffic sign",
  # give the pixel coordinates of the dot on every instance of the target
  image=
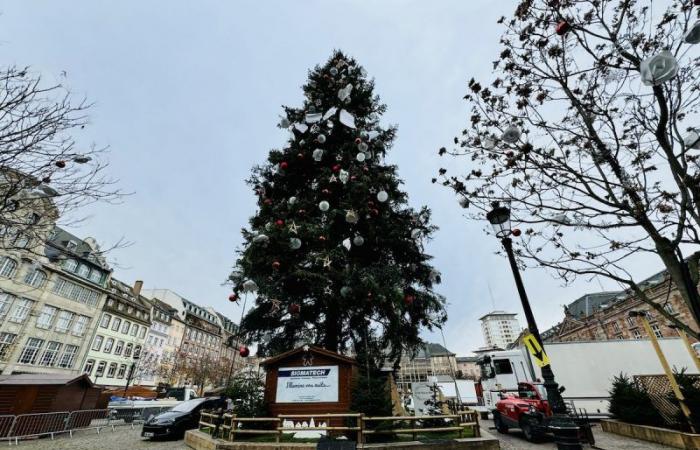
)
(536, 350)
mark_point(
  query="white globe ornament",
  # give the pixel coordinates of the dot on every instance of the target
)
(317, 154)
(261, 239)
(692, 140)
(324, 206)
(295, 243)
(321, 138)
(250, 286)
(511, 134)
(351, 217)
(358, 241)
(658, 69)
(360, 157)
(415, 233)
(292, 200)
(362, 146)
(334, 71)
(382, 196)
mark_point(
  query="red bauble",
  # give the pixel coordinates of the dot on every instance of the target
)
(408, 299)
(244, 351)
(369, 295)
(284, 165)
(358, 141)
(300, 155)
(516, 232)
(46, 180)
(563, 27)
(326, 192)
(267, 201)
(336, 168)
(294, 308)
(276, 265)
(279, 222)
(370, 203)
(302, 212)
(322, 238)
(233, 297)
(375, 212)
(353, 178)
(365, 168)
(60, 164)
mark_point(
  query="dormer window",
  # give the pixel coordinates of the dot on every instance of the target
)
(71, 245)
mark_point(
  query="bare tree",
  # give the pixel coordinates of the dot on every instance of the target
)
(204, 370)
(589, 131)
(44, 174)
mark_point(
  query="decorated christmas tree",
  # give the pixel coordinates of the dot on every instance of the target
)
(334, 252)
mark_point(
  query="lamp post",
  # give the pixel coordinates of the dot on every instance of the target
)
(564, 429)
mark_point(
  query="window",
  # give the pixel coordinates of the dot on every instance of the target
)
(637, 334)
(80, 325)
(669, 308)
(21, 309)
(64, 320)
(112, 370)
(22, 241)
(137, 352)
(89, 365)
(116, 323)
(70, 265)
(125, 327)
(105, 320)
(46, 316)
(100, 369)
(142, 332)
(619, 337)
(30, 351)
(616, 326)
(35, 278)
(502, 366)
(48, 358)
(127, 350)
(97, 344)
(630, 321)
(68, 357)
(122, 371)
(8, 267)
(72, 291)
(657, 331)
(118, 348)
(83, 271)
(6, 341)
(108, 345)
(5, 303)
(95, 276)
(72, 245)
(134, 330)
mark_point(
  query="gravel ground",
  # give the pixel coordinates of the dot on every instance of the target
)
(514, 440)
(120, 439)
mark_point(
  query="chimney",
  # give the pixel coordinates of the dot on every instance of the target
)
(136, 290)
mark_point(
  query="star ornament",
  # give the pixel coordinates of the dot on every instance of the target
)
(326, 263)
(293, 228)
(333, 179)
(339, 158)
(328, 290)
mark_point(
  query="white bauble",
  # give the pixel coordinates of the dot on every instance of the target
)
(324, 206)
(382, 196)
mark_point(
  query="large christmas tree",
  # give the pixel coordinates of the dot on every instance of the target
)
(334, 249)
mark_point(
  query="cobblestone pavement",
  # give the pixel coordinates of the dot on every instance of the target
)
(514, 440)
(122, 438)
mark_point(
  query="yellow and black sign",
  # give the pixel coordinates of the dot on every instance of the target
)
(536, 350)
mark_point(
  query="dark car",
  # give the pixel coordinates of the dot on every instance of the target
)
(180, 418)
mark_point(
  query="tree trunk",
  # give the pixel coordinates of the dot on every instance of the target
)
(681, 277)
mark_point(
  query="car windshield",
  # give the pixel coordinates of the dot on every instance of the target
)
(188, 406)
(543, 392)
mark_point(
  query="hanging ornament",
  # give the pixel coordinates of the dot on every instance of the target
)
(267, 201)
(372, 135)
(346, 244)
(511, 134)
(300, 127)
(408, 299)
(279, 222)
(243, 351)
(327, 290)
(563, 27)
(347, 119)
(261, 239)
(332, 179)
(658, 69)
(291, 200)
(326, 263)
(326, 191)
(233, 297)
(338, 157)
(358, 240)
(516, 232)
(692, 36)
(82, 159)
(60, 164)
(314, 185)
(293, 227)
(250, 286)
(275, 305)
(374, 116)
(351, 216)
(344, 93)
(276, 265)
(360, 157)
(315, 128)
(692, 140)
(415, 233)
(330, 112)
(489, 143)
(318, 102)
(345, 291)
(382, 196)
(317, 155)
(294, 309)
(334, 71)
(336, 168)
(284, 165)
(295, 243)
(321, 138)
(343, 175)
(434, 276)
(313, 117)
(324, 206)
(464, 202)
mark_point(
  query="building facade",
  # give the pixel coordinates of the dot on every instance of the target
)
(605, 315)
(467, 368)
(499, 328)
(429, 363)
(230, 345)
(117, 344)
(51, 295)
(157, 340)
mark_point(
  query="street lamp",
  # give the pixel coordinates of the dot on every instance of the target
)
(563, 427)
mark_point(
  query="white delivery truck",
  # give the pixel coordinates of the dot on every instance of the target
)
(585, 369)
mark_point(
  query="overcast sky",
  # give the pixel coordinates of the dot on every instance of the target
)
(187, 96)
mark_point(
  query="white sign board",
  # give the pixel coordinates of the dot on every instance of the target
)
(421, 394)
(313, 384)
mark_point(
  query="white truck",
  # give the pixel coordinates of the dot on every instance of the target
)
(585, 369)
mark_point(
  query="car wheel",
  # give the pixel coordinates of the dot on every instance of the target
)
(498, 422)
(528, 431)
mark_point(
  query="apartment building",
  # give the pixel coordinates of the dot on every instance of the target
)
(499, 328)
(155, 351)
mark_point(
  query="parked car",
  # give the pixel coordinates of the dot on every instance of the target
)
(180, 418)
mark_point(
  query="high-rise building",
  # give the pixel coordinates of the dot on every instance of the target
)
(500, 328)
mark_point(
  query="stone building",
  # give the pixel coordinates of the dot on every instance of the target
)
(467, 368)
(605, 315)
(155, 351)
(51, 293)
(230, 344)
(118, 341)
(431, 361)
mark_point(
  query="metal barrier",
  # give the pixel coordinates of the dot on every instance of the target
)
(42, 424)
(6, 425)
(87, 419)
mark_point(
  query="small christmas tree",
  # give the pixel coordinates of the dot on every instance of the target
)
(631, 404)
(334, 250)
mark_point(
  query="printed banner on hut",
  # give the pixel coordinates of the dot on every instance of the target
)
(314, 384)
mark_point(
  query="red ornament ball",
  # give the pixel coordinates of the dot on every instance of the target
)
(409, 299)
(276, 265)
(322, 238)
(267, 201)
(375, 212)
(370, 203)
(300, 155)
(284, 165)
(516, 232)
(279, 222)
(563, 27)
(60, 164)
(233, 297)
(353, 178)
(336, 168)
(365, 168)
(294, 308)
(326, 192)
(244, 351)
(358, 141)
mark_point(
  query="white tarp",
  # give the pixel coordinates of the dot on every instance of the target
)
(313, 384)
(467, 391)
(421, 393)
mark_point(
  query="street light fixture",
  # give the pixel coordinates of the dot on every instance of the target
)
(565, 430)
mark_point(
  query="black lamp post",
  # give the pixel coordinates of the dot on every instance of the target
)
(563, 427)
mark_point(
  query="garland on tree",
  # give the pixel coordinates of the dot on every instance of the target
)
(334, 251)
